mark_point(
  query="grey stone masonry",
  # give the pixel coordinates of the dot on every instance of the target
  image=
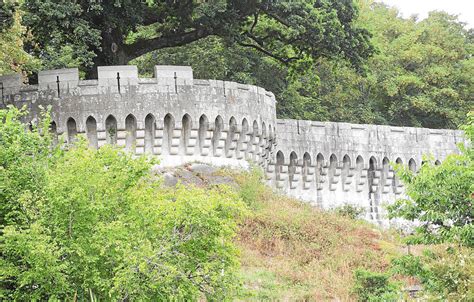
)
(182, 119)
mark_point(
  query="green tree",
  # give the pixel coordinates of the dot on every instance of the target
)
(96, 225)
(441, 197)
(13, 57)
(115, 32)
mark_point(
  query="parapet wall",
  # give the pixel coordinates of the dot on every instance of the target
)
(331, 164)
(182, 119)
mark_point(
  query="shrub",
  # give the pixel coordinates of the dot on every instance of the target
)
(350, 211)
(251, 187)
(445, 275)
(97, 225)
(371, 286)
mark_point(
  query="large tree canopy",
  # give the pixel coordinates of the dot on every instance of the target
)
(115, 32)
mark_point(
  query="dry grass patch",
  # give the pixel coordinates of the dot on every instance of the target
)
(292, 251)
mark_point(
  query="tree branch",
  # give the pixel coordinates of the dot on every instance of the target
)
(285, 61)
(144, 46)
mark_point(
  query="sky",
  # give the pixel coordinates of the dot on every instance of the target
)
(463, 8)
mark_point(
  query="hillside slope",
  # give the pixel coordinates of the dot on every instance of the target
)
(290, 250)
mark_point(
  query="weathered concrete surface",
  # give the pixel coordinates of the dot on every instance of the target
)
(181, 119)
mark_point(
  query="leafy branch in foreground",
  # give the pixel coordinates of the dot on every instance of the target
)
(441, 196)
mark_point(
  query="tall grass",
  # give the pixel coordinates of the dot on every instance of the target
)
(292, 251)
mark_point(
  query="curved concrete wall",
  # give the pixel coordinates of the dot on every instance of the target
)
(182, 119)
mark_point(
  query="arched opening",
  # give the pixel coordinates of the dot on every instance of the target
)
(243, 136)
(168, 128)
(385, 170)
(150, 126)
(111, 130)
(412, 165)
(202, 132)
(332, 169)
(186, 125)
(253, 145)
(437, 162)
(53, 130)
(216, 135)
(396, 180)
(360, 169)
(71, 130)
(346, 165)
(280, 161)
(91, 128)
(263, 140)
(371, 174)
(306, 165)
(292, 167)
(230, 137)
(130, 132)
(319, 170)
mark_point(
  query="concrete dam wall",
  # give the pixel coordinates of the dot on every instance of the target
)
(182, 119)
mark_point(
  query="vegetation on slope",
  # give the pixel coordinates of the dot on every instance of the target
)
(293, 251)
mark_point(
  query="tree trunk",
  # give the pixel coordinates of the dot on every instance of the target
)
(112, 52)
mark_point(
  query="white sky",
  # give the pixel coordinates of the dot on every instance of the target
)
(463, 8)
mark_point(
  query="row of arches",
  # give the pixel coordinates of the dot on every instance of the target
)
(343, 170)
(208, 135)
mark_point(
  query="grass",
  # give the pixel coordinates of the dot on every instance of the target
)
(292, 251)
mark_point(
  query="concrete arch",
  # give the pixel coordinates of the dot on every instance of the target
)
(111, 130)
(216, 134)
(91, 129)
(252, 147)
(202, 132)
(229, 144)
(53, 130)
(396, 181)
(264, 140)
(186, 126)
(412, 165)
(150, 128)
(243, 138)
(332, 169)
(437, 162)
(306, 167)
(371, 174)
(292, 167)
(168, 129)
(71, 130)
(385, 171)
(346, 166)
(280, 161)
(130, 132)
(359, 166)
(319, 170)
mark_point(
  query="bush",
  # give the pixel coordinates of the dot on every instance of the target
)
(445, 275)
(97, 225)
(371, 286)
(251, 187)
(350, 211)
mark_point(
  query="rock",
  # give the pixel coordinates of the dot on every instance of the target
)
(202, 168)
(187, 177)
(169, 180)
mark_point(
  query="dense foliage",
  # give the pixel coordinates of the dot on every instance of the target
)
(325, 60)
(86, 224)
(421, 75)
(12, 55)
(114, 32)
(445, 273)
